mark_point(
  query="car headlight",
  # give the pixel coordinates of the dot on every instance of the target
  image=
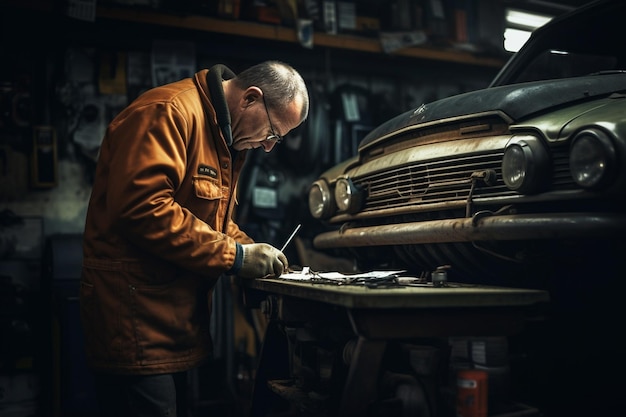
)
(348, 196)
(321, 203)
(592, 159)
(526, 166)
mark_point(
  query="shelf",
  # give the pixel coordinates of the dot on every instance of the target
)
(285, 34)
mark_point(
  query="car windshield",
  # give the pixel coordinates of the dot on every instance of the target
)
(553, 64)
(584, 43)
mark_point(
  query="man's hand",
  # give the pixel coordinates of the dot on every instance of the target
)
(262, 259)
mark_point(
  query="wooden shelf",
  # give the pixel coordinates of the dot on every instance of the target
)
(285, 34)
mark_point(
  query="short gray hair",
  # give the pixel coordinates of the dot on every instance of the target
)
(280, 82)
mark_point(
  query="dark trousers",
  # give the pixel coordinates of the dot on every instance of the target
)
(163, 395)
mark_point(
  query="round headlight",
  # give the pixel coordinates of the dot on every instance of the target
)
(347, 196)
(592, 159)
(320, 200)
(514, 167)
(526, 166)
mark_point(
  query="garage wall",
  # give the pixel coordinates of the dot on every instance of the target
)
(60, 77)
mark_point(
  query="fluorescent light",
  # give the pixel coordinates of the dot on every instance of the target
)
(526, 19)
(515, 38)
(519, 25)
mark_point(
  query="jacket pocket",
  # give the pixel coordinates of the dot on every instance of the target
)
(169, 320)
(208, 197)
(207, 189)
(103, 313)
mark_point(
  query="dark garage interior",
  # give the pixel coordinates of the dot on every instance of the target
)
(69, 67)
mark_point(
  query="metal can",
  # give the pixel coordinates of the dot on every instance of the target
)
(440, 276)
(471, 395)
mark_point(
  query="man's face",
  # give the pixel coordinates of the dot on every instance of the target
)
(263, 127)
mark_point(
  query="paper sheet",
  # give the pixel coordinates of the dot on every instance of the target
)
(306, 275)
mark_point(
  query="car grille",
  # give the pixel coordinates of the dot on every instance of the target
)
(446, 181)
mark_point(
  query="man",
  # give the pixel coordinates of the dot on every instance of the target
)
(159, 234)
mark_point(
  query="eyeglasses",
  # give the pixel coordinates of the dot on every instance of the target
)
(273, 137)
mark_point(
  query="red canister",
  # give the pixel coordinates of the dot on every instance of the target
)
(471, 394)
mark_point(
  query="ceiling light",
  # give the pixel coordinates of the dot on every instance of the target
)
(526, 19)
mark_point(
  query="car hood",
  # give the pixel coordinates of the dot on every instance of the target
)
(517, 101)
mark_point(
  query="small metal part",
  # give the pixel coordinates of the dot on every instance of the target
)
(439, 276)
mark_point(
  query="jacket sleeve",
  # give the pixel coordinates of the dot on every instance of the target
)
(239, 235)
(150, 147)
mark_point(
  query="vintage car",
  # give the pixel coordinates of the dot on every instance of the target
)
(513, 184)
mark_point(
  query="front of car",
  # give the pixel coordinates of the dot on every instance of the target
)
(507, 185)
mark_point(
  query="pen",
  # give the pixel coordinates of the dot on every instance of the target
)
(291, 237)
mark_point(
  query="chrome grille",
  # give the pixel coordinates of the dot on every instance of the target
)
(431, 182)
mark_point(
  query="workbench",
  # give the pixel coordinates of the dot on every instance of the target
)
(376, 317)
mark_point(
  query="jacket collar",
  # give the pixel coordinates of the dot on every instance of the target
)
(214, 78)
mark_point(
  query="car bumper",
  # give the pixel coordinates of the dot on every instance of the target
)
(480, 227)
